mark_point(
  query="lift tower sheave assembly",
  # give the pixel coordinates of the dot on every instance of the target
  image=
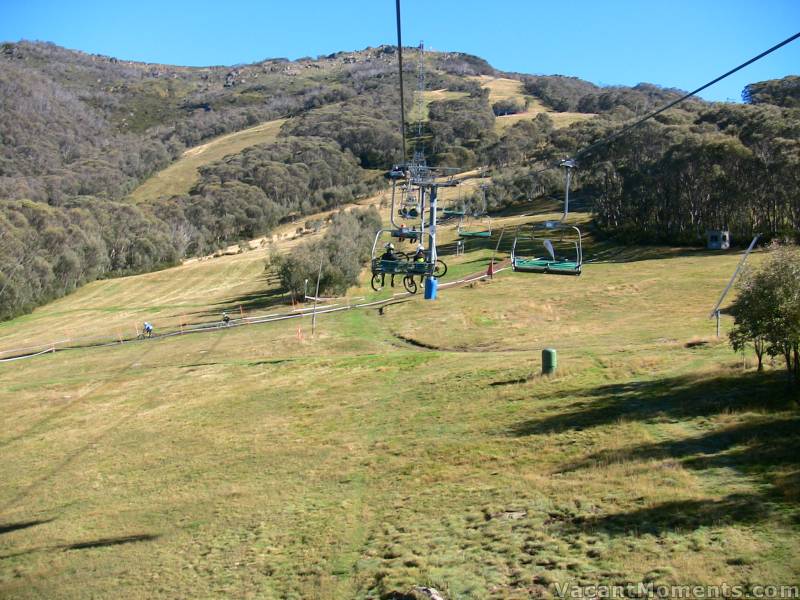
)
(423, 178)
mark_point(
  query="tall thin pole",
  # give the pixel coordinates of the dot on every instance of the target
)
(733, 277)
(316, 295)
(420, 89)
(432, 226)
(402, 102)
(496, 248)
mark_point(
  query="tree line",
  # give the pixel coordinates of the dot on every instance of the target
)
(767, 309)
(48, 251)
(726, 167)
(695, 168)
(81, 131)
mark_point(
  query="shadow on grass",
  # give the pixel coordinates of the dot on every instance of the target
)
(754, 447)
(252, 301)
(594, 252)
(517, 381)
(99, 543)
(681, 515)
(664, 400)
(9, 527)
(610, 252)
(274, 295)
(761, 447)
(106, 542)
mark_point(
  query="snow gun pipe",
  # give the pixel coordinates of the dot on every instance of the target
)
(23, 348)
(13, 358)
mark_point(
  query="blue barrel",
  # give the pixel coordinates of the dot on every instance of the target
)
(549, 361)
(431, 286)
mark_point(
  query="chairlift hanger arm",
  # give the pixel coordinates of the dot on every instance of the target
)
(568, 165)
(400, 67)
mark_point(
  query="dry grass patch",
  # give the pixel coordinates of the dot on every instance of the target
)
(181, 176)
(250, 463)
(429, 96)
(501, 88)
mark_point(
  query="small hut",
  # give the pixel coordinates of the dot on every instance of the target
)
(718, 239)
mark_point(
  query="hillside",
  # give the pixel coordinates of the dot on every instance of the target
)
(183, 174)
(504, 89)
(408, 446)
(370, 444)
(113, 167)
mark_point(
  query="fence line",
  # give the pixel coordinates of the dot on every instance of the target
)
(216, 325)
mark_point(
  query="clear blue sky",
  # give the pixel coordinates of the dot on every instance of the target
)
(675, 43)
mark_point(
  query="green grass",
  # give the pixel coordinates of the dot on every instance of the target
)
(413, 446)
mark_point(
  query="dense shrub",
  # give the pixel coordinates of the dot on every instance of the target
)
(780, 92)
(342, 252)
(47, 251)
(507, 107)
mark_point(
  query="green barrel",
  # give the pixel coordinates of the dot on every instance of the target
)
(549, 361)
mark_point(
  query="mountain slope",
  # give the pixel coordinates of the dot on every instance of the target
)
(415, 446)
(182, 175)
(214, 141)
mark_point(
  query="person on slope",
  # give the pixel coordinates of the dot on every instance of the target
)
(148, 329)
(388, 255)
(225, 318)
(419, 258)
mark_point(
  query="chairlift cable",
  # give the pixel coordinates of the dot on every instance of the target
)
(585, 151)
(402, 97)
(628, 128)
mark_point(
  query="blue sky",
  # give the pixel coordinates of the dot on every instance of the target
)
(674, 43)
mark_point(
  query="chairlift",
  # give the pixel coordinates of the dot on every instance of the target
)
(450, 213)
(403, 266)
(403, 233)
(553, 247)
(410, 206)
(397, 172)
(399, 231)
(483, 230)
(456, 210)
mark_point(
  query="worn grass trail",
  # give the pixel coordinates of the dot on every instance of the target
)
(501, 88)
(413, 446)
(196, 291)
(179, 177)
